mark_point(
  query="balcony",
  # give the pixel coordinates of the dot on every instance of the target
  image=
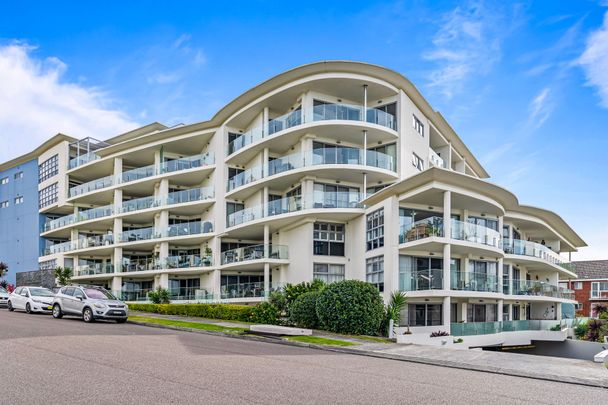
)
(94, 269)
(189, 261)
(486, 328)
(80, 160)
(317, 200)
(469, 232)
(134, 294)
(539, 288)
(321, 112)
(472, 281)
(176, 230)
(256, 252)
(421, 280)
(436, 160)
(424, 228)
(247, 290)
(533, 249)
(316, 157)
(140, 173)
(81, 216)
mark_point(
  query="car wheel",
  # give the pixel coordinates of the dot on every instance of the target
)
(28, 308)
(10, 306)
(57, 314)
(121, 320)
(87, 315)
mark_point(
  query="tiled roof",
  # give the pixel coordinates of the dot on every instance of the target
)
(591, 269)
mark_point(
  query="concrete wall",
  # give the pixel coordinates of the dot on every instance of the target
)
(572, 349)
(20, 224)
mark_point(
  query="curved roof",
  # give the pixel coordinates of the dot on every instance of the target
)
(501, 195)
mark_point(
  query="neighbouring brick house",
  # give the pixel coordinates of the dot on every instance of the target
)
(591, 285)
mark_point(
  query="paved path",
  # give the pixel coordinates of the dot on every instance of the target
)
(48, 361)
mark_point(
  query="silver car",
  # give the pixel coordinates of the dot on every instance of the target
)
(3, 297)
(90, 303)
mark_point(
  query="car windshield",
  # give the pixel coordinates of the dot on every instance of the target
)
(2, 290)
(96, 294)
(41, 292)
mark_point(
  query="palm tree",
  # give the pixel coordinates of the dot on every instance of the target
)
(63, 275)
(3, 269)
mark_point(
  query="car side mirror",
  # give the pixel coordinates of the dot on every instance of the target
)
(79, 298)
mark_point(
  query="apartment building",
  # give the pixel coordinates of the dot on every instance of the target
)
(590, 285)
(331, 170)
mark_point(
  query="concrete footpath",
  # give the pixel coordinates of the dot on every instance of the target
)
(521, 365)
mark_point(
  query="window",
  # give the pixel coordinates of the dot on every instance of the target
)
(47, 196)
(382, 156)
(485, 222)
(420, 273)
(19, 200)
(4, 180)
(374, 272)
(4, 204)
(47, 264)
(418, 125)
(417, 162)
(578, 285)
(328, 239)
(18, 175)
(48, 168)
(328, 272)
(375, 229)
(599, 289)
(425, 315)
(334, 196)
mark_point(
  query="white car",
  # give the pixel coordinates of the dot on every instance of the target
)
(3, 297)
(31, 299)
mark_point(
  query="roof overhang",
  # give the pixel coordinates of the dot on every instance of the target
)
(58, 138)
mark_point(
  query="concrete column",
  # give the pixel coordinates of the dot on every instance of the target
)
(265, 200)
(510, 279)
(163, 252)
(216, 280)
(499, 313)
(157, 160)
(163, 189)
(447, 214)
(266, 241)
(164, 280)
(266, 279)
(446, 314)
(116, 284)
(463, 311)
(500, 273)
(558, 311)
(265, 117)
(265, 158)
(117, 259)
(117, 167)
(447, 268)
(511, 311)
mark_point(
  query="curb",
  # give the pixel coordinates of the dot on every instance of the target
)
(395, 357)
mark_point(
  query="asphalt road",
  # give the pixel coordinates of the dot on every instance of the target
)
(49, 361)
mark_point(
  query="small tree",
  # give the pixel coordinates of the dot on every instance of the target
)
(63, 275)
(396, 304)
(160, 296)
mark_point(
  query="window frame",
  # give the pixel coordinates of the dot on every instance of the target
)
(49, 168)
(374, 271)
(374, 229)
(417, 162)
(337, 230)
(328, 276)
(48, 195)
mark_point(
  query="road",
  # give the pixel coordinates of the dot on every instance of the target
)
(49, 361)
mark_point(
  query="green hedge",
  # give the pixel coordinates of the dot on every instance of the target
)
(211, 311)
(304, 310)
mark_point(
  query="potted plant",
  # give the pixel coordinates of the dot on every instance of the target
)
(208, 256)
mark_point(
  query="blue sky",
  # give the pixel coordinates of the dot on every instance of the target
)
(525, 84)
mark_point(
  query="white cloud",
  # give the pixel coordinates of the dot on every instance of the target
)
(467, 43)
(594, 61)
(36, 104)
(540, 109)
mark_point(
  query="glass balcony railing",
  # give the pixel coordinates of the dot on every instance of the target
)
(94, 269)
(194, 194)
(255, 252)
(144, 172)
(320, 112)
(189, 294)
(533, 249)
(436, 160)
(471, 281)
(143, 264)
(469, 232)
(60, 247)
(247, 290)
(287, 205)
(184, 262)
(97, 184)
(189, 228)
(187, 163)
(487, 328)
(421, 280)
(82, 159)
(134, 294)
(94, 241)
(140, 234)
(539, 288)
(139, 204)
(424, 228)
(81, 216)
(316, 157)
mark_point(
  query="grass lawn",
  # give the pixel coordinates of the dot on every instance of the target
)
(184, 324)
(320, 341)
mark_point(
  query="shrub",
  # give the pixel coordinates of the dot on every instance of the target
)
(580, 331)
(293, 291)
(211, 311)
(350, 306)
(393, 311)
(594, 330)
(160, 296)
(459, 340)
(304, 310)
(556, 328)
(265, 313)
(278, 299)
(439, 333)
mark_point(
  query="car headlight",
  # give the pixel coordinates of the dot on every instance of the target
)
(99, 305)
(126, 307)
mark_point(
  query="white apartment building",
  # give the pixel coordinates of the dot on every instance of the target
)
(331, 170)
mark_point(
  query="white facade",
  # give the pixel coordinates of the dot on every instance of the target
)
(331, 170)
